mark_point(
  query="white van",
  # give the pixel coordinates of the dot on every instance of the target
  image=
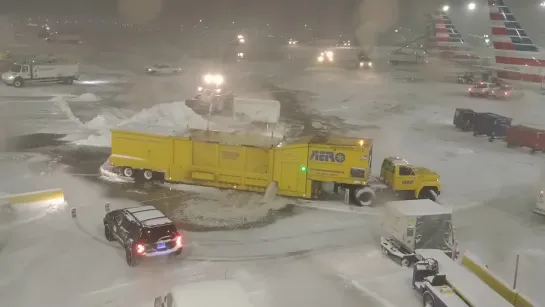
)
(224, 293)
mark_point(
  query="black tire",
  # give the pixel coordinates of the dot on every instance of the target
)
(128, 172)
(426, 193)
(491, 137)
(68, 81)
(427, 300)
(474, 133)
(363, 196)
(107, 233)
(533, 151)
(385, 251)
(18, 83)
(147, 175)
(405, 263)
(177, 253)
(131, 258)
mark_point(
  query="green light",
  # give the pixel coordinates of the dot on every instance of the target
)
(303, 168)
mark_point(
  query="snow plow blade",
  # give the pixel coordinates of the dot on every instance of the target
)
(55, 195)
(198, 106)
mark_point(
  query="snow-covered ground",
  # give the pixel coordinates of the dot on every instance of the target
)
(491, 187)
(313, 257)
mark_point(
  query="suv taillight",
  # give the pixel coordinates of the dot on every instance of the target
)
(140, 249)
(179, 240)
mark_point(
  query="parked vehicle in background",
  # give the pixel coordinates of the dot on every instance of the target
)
(507, 92)
(524, 136)
(492, 125)
(162, 69)
(464, 119)
(38, 72)
(482, 89)
(402, 56)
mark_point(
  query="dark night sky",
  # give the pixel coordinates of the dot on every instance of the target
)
(278, 10)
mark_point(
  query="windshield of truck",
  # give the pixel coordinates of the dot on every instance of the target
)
(15, 68)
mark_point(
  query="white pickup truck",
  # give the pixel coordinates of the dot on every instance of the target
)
(402, 56)
(162, 69)
(21, 74)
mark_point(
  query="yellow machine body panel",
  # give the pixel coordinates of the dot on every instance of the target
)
(340, 159)
(141, 151)
(290, 170)
(202, 159)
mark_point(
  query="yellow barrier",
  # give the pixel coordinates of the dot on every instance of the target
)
(512, 296)
(34, 197)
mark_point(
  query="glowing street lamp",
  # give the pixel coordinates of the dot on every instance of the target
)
(446, 8)
(471, 6)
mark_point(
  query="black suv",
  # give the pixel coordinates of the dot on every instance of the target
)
(143, 232)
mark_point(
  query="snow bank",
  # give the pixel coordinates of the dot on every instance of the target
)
(225, 208)
(65, 108)
(167, 117)
(87, 97)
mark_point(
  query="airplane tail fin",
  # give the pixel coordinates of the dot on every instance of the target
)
(512, 46)
(444, 38)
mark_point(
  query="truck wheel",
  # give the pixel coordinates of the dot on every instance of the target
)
(364, 197)
(18, 82)
(427, 300)
(147, 174)
(384, 251)
(68, 81)
(474, 133)
(130, 257)
(491, 137)
(128, 172)
(405, 263)
(428, 193)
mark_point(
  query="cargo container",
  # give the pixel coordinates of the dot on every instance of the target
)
(464, 118)
(245, 162)
(416, 224)
(525, 136)
(492, 125)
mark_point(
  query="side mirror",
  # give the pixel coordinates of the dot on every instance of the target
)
(158, 302)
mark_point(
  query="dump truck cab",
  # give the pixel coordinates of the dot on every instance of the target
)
(409, 180)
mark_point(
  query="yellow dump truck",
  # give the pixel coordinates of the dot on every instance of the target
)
(247, 162)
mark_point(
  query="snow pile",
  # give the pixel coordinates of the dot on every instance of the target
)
(107, 174)
(225, 208)
(162, 118)
(65, 108)
(102, 121)
(60, 98)
(87, 97)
